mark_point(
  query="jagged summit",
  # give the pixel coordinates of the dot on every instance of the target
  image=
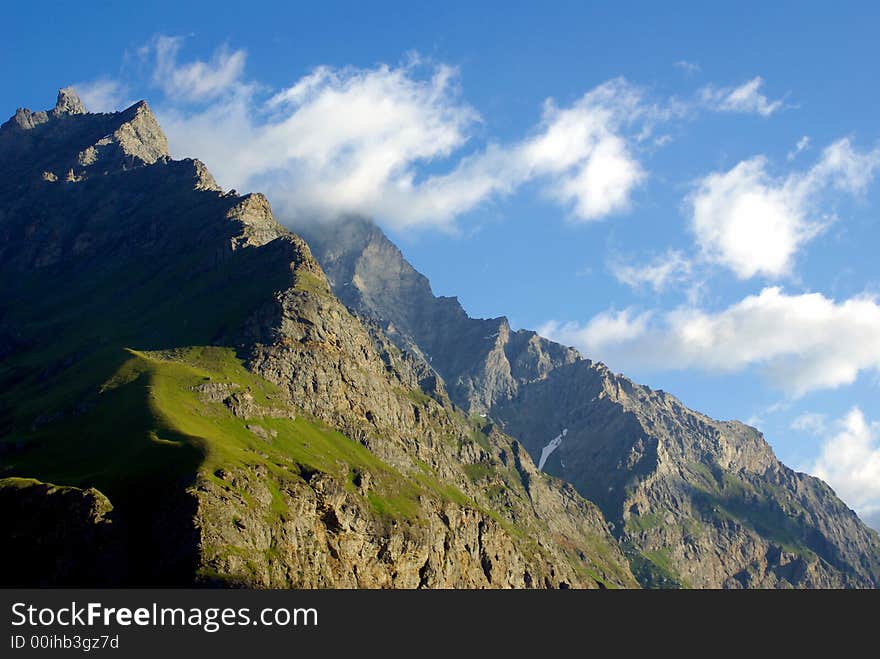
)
(68, 144)
(68, 103)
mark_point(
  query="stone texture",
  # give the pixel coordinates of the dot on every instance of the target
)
(68, 103)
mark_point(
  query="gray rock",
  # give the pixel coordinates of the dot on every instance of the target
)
(68, 103)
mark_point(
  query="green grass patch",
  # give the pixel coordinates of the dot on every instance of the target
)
(151, 421)
(397, 506)
(643, 522)
(479, 471)
(309, 282)
(15, 483)
(419, 397)
(653, 569)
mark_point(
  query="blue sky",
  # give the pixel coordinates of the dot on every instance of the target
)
(687, 192)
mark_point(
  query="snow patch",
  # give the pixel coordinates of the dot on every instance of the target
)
(552, 446)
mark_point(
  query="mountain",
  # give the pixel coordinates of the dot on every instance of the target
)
(694, 501)
(183, 399)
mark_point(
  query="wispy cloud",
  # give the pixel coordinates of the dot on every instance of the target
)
(103, 95)
(604, 330)
(746, 98)
(662, 271)
(810, 422)
(396, 143)
(799, 342)
(197, 80)
(802, 145)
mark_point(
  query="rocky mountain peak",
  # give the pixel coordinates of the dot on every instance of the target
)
(24, 119)
(68, 144)
(68, 103)
(140, 136)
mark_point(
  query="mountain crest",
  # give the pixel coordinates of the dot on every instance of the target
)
(68, 144)
(139, 136)
(68, 103)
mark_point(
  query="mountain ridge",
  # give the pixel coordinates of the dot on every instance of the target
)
(382, 286)
(698, 502)
(180, 386)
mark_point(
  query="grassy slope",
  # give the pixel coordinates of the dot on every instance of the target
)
(150, 429)
(150, 420)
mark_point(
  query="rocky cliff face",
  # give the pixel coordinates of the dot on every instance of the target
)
(175, 348)
(694, 501)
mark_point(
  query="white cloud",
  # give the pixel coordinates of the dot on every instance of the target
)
(843, 168)
(605, 328)
(103, 95)
(197, 80)
(745, 99)
(850, 462)
(799, 342)
(603, 184)
(664, 270)
(801, 145)
(745, 221)
(399, 143)
(810, 422)
(754, 224)
(340, 141)
(390, 142)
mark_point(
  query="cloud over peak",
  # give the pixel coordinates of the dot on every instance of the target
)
(401, 144)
